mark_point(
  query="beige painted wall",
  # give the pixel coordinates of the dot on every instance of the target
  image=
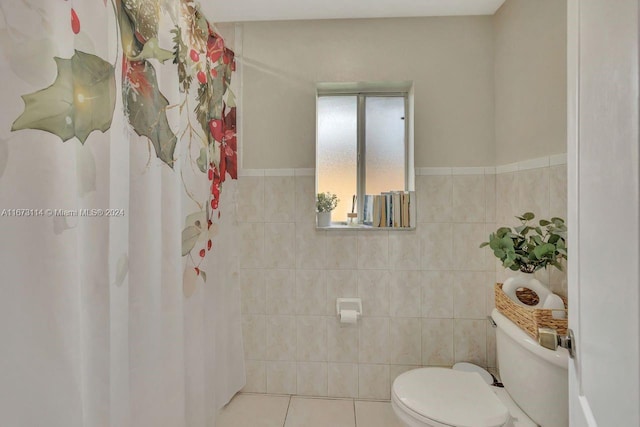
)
(530, 79)
(449, 59)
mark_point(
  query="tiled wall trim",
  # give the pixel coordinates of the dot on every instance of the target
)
(540, 162)
(279, 172)
(305, 172)
(558, 159)
(251, 172)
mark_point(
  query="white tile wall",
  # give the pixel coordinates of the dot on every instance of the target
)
(280, 294)
(312, 338)
(373, 289)
(468, 201)
(279, 199)
(256, 376)
(343, 379)
(251, 244)
(426, 293)
(374, 340)
(343, 341)
(404, 250)
(405, 294)
(373, 381)
(312, 379)
(437, 294)
(251, 204)
(434, 194)
(281, 338)
(470, 341)
(254, 334)
(405, 342)
(436, 245)
(279, 248)
(342, 249)
(281, 377)
(252, 288)
(311, 292)
(541, 190)
(437, 342)
(373, 250)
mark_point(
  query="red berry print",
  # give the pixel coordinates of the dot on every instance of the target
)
(202, 77)
(209, 224)
(197, 271)
(195, 57)
(75, 22)
(215, 47)
(202, 253)
(209, 244)
(210, 174)
(214, 73)
(217, 129)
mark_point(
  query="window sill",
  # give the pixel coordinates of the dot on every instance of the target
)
(362, 227)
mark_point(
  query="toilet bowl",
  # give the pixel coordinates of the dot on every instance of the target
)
(535, 393)
(442, 397)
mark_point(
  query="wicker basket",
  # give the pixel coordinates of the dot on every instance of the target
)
(529, 319)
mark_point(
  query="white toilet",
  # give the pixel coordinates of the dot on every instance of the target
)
(535, 380)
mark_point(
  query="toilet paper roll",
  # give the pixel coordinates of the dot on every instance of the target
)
(510, 288)
(554, 302)
(348, 316)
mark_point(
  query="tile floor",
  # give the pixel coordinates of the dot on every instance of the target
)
(259, 410)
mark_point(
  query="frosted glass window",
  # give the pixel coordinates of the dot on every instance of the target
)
(337, 150)
(384, 144)
(361, 147)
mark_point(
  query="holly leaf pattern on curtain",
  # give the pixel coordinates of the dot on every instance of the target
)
(145, 15)
(151, 49)
(81, 99)
(146, 108)
(144, 104)
(190, 236)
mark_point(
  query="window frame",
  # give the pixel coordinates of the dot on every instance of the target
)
(361, 151)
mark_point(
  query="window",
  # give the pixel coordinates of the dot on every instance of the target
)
(362, 146)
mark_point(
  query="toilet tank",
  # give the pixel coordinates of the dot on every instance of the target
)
(536, 378)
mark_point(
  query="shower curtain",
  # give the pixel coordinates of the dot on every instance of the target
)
(118, 260)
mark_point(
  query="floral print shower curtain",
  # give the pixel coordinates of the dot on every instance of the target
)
(118, 161)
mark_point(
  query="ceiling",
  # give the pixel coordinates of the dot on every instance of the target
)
(274, 10)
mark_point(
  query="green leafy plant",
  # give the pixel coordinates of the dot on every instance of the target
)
(326, 202)
(530, 247)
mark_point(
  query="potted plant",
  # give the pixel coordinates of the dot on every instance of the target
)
(325, 203)
(529, 247)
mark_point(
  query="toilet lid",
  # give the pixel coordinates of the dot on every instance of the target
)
(455, 398)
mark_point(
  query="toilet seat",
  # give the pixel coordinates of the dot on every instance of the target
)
(448, 398)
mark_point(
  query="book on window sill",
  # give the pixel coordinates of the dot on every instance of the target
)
(397, 209)
(412, 209)
(384, 208)
(404, 200)
(368, 209)
(392, 209)
(388, 222)
(376, 211)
